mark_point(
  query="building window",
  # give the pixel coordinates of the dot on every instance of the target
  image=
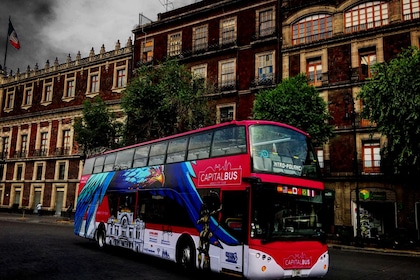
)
(61, 175)
(367, 15)
(10, 99)
(47, 94)
(27, 98)
(312, 28)
(19, 172)
(314, 71)
(94, 83)
(147, 51)
(265, 68)
(44, 144)
(121, 77)
(367, 59)
(66, 141)
(227, 76)
(228, 31)
(23, 145)
(5, 147)
(199, 74)
(69, 91)
(411, 9)
(225, 113)
(200, 38)
(174, 44)
(265, 22)
(371, 157)
(320, 156)
(39, 171)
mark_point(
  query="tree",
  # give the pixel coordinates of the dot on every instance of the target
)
(391, 100)
(296, 103)
(164, 100)
(98, 129)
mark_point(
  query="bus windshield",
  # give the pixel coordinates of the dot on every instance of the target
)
(286, 213)
(282, 151)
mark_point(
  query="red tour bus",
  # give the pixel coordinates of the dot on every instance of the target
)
(242, 198)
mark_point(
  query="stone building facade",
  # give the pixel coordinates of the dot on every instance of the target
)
(40, 160)
(241, 47)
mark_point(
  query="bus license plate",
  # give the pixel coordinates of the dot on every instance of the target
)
(296, 273)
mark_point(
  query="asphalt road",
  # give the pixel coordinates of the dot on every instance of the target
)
(36, 249)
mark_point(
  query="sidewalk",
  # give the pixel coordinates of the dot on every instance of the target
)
(33, 218)
(48, 219)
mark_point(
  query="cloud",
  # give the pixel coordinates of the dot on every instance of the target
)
(50, 29)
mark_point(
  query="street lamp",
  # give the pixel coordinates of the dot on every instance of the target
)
(349, 101)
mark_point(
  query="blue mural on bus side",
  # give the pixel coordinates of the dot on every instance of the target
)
(165, 180)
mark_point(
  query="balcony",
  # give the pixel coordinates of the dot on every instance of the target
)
(264, 80)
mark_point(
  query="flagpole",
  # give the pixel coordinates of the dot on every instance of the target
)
(5, 53)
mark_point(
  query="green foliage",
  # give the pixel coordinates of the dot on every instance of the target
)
(392, 101)
(97, 129)
(296, 103)
(162, 101)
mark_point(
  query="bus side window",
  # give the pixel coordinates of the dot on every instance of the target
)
(176, 150)
(141, 156)
(88, 167)
(109, 162)
(229, 141)
(124, 159)
(99, 164)
(158, 153)
(199, 146)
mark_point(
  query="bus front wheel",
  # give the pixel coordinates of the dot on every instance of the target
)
(100, 239)
(186, 253)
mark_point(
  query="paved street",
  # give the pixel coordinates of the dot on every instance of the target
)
(44, 247)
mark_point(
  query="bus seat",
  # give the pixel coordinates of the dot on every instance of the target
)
(263, 164)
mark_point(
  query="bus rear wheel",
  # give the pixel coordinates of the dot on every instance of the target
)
(186, 254)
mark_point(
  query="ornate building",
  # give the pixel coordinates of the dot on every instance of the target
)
(40, 160)
(240, 47)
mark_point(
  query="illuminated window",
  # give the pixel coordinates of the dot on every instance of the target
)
(312, 28)
(367, 15)
(411, 9)
(174, 44)
(147, 51)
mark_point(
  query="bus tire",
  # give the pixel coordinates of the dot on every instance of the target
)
(185, 252)
(101, 239)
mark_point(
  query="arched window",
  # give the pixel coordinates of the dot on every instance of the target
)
(365, 16)
(312, 28)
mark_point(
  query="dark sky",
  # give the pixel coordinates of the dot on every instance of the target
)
(50, 29)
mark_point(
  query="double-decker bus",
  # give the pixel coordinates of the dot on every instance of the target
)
(242, 198)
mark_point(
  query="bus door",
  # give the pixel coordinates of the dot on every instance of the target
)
(234, 220)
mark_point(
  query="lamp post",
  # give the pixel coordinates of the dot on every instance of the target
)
(349, 101)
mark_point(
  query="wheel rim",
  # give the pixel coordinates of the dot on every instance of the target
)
(186, 256)
(101, 240)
